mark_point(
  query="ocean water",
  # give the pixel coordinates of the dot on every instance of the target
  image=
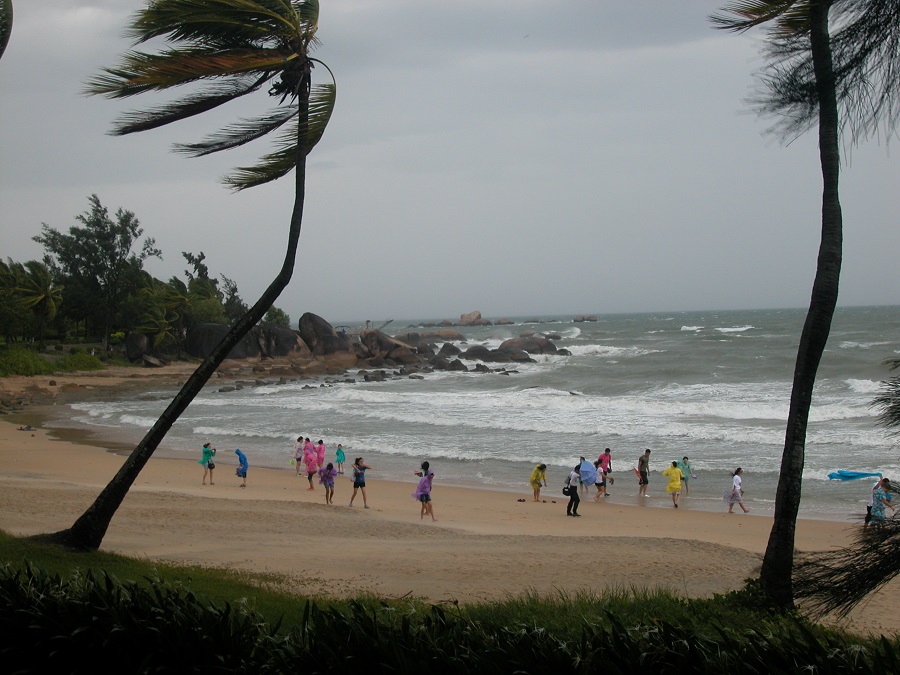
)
(711, 385)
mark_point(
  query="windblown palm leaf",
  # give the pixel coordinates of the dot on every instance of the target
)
(232, 48)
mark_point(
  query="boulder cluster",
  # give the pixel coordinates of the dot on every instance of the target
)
(316, 349)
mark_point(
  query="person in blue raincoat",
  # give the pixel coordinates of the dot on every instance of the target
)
(241, 471)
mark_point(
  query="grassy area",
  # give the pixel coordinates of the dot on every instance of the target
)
(92, 612)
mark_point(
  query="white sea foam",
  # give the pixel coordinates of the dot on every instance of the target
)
(692, 328)
(735, 329)
(861, 345)
(610, 351)
(863, 386)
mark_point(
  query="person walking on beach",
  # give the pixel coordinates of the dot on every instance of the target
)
(241, 471)
(297, 455)
(320, 453)
(643, 469)
(572, 486)
(880, 500)
(206, 460)
(311, 459)
(359, 480)
(326, 478)
(423, 491)
(673, 473)
(538, 477)
(339, 459)
(736, 494)
(687, 472)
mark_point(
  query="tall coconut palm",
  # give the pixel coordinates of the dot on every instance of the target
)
(231, 48)
(844, 80)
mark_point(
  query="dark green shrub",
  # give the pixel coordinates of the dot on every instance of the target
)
(16, 360)
(80, 361)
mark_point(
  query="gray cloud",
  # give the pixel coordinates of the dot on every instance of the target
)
(513, 157)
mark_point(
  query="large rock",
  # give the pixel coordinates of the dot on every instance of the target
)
(380, 345)
(202, 339)
(533, 345)
(136, 345)
(266, 339)
(320, 336)
(470, 319)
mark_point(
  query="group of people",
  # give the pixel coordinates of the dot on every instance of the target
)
(206, 461)
(598, 473)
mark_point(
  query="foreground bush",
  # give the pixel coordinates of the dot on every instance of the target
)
(97, 624)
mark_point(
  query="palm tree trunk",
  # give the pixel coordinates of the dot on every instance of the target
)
(778, 562)
(88, 531)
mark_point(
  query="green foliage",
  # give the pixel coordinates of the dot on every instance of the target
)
(80, 361)
(278, 317)
(92, 622)
(16, 360)
(117, 338)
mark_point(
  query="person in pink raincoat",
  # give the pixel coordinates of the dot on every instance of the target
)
(311, 459)
(320, 453)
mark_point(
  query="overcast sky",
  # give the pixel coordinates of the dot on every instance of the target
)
(516, 157)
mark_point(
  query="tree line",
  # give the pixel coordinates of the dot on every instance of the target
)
(91, 285)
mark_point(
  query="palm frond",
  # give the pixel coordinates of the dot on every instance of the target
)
(188, 106)
(789, 16)
(238, 134)
(6, 23)
(140, 72)
(270, 167)
(888, 401)
(214, 21)
(837, 581)
(321, 106)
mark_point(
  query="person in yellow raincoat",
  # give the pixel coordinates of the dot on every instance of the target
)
(673, 473)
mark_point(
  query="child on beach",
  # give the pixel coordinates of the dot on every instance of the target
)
(359, 480)
(320, 453)
(673, 473)
(241, 471)
(339, 459)
(326, 478)
(423, 491)
(206, 460)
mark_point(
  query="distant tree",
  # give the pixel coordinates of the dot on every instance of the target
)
(234, 306)
(236, 47)
(97, 259)
(845, 80)
(6, 24)
(201, 271)
(278, 317)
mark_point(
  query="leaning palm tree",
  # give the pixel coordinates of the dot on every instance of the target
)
(6, 23)
(843, 80)
(232, 48)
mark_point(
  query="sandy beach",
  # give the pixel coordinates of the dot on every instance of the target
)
(486, 544)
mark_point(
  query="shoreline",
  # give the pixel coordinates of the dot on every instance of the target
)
(486, 544)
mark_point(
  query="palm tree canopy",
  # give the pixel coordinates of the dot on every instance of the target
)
(228, 48)
(865, 44)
